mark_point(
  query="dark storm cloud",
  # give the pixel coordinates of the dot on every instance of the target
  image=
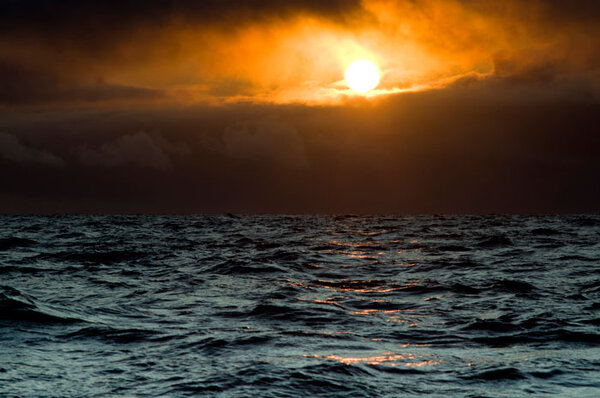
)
(139, 150)
(522, 139)
(25, 84)
(102, 19)
(469, 148)
(94, 24)
(266, 141)
(575, 11)
(14, 151)
(54, 16)
(559, 9)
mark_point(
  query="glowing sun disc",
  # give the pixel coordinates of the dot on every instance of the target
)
(362, 76)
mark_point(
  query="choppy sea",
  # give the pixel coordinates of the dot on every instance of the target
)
(300, 306)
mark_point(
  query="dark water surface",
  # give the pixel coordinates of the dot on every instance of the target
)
(277, 306)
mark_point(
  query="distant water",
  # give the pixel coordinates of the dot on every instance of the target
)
(300, 306)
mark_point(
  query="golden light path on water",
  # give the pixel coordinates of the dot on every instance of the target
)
(407, 316)
(283, 306)
(386, 358)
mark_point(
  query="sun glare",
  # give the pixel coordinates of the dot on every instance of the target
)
(362, 76)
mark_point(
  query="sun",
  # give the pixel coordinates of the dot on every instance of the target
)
(362, 76)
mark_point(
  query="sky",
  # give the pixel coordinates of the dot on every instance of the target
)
(181, 106)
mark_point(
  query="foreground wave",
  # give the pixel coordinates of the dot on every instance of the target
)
(286, 306)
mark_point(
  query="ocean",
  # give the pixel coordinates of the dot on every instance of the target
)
(300, 306)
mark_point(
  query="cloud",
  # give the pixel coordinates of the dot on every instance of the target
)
(140, 150)
(469, 148)
(26, 85)
(97, 23)
(266, 140)
(283, 51)
(517, 133)
(88, 51)
(12, 150)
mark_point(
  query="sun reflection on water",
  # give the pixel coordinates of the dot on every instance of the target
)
(407, 315)
(355, 286)
(386, 358)
(328, 300)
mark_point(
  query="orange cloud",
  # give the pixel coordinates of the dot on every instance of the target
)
(418, 45)
(301, 56)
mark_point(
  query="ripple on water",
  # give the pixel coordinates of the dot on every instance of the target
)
(287, 306)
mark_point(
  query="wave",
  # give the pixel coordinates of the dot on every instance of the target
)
(512, 286)
(14, 242)
(544, 232)
(497, 375)
(453, 248)
(300, 306)
(111, 334)
(91, 257)
(8, 269)
(214, 345)
(554, 335)
(19, 307)
(494, 242)
(233, 267)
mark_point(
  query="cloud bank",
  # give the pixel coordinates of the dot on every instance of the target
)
(238, 106)
(284, 52)
(12, 150)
